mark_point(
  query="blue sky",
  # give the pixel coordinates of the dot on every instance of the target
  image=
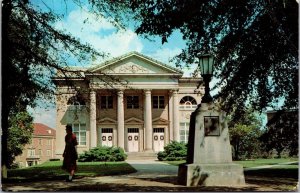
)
(104, 37)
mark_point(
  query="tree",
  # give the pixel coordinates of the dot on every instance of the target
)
(19, 134)
(241, 35)
(282, 133)
(244, 135)
(32, 52)
(245, 141)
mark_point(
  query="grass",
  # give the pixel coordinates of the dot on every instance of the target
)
(52, 170)
(260, 162)
(251, 163)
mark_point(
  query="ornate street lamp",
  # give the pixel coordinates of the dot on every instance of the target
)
(206, 64)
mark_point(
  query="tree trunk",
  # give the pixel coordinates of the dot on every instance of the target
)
(6, 53)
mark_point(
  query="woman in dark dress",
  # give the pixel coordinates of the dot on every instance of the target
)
(70, 153)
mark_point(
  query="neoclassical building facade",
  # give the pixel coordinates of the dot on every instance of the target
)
(132, 101)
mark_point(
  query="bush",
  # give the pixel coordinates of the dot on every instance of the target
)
(174, 151)
(103, 154)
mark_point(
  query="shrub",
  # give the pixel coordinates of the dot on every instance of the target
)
(103, 154)
(174, 151)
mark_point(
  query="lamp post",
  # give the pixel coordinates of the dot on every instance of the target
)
(206, 64)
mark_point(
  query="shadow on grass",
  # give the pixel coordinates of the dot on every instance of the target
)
(256, 180)
(129, 188)
(52, 173)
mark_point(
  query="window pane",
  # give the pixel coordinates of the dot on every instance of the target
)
(82, 137)
(155, 102)
(136, 102)
(103, 102)
(82, 127)
(161, 102)
(77, 134)
(76, 127)
(182, 138)
(82, 143)
(110, 102)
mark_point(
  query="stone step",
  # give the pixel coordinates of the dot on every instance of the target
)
(141, 156)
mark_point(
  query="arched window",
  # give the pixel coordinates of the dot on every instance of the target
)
(188, 103)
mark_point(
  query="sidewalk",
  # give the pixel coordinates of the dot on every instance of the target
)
(269, 166)
(152, 176)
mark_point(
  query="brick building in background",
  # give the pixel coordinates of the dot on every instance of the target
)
(41, 148)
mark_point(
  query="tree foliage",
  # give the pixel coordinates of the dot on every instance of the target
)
(19, 134)
(255, 43)
(32, 52)
(282, 133)
(245, 133)
(245, 141)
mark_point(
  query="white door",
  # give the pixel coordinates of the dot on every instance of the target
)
(158, 139)
(107, 137)
(133, 139)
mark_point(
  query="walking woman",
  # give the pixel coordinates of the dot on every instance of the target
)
(70, 153)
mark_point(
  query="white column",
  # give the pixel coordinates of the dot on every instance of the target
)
(93, 134)
(148, 121)
(170, 103)
(175, 116)
(120, 113)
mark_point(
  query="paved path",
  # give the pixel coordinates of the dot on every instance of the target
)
(152, 176)
(270, 166)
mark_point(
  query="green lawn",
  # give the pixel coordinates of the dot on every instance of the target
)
(52, 170)
(260, 162)
(252, 163)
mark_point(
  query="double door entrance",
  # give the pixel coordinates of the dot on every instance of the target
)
(107, 137)
(158, 139)
(133, 139)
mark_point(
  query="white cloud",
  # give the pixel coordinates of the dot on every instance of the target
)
(100, 33)
(45, 115)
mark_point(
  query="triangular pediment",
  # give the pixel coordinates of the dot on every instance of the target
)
(134, 63)
(159, 121)
(134, 120)
(107, 120)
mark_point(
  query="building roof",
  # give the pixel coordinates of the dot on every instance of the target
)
(43, 130)
(136, 54)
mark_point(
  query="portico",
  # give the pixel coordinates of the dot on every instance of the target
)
(145, 125)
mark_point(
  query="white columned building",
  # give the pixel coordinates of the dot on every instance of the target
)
(145, 108)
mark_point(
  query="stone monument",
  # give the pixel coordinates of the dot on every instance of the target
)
(209, 158)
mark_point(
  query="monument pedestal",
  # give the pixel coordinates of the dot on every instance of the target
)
(209, 157)
(211, 174)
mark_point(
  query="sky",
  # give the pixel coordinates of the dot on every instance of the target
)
(104, 37)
